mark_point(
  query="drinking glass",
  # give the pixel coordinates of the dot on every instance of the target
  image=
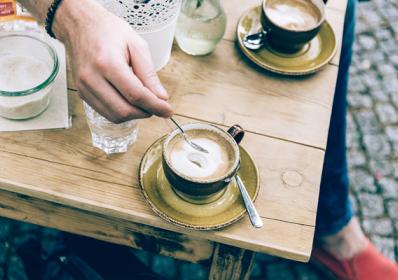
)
(108, 136)
(200, 26)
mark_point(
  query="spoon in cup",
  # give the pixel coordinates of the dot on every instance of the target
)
(193, 145)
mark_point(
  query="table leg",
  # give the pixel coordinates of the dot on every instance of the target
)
(231, 263)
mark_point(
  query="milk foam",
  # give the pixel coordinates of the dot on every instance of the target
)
(295, 15)
(18, 73)
(195, 164)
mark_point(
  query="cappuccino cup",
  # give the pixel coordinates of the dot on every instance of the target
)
(290, 24)
(196, 176)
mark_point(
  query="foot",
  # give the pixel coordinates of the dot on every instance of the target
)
(347, 243)
(349, 255)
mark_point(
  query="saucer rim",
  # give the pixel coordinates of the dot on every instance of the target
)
(188, 225)
(267, 66)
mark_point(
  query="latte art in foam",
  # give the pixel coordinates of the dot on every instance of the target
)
(293, 14)
(195, 164)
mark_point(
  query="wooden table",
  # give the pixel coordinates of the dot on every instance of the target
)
(57, 179)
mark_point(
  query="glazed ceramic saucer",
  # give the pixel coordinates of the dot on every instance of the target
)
(161, 197)
(311, 58)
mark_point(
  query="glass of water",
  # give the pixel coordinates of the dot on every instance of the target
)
(200, 27)
(108, 136)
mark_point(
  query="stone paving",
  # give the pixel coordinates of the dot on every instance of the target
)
(372, 147)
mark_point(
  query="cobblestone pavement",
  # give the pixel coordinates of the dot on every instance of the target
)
(372, 146)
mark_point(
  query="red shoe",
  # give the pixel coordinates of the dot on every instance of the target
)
(367, 265)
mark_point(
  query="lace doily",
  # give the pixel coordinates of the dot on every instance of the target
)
(144, 15)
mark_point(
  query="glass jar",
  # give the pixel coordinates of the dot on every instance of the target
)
(200, 27)
(28, 68)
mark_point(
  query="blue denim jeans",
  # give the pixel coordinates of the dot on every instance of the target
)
(334, 207)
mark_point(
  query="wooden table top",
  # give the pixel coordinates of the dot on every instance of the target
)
(287, 121)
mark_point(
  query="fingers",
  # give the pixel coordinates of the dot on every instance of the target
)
(91, 100)
(99, 94)
(143, 67)
(133, 90)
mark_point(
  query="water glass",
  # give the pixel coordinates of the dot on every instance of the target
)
(200, 27)
(108, 136)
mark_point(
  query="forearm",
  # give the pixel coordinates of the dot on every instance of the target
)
(70, 16)
(38, 8)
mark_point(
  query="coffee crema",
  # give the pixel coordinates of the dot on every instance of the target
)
(198, 165)
(295, 15)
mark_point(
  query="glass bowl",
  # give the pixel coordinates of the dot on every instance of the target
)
(28, 69)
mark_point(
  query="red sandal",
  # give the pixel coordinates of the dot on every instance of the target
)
(367, 265)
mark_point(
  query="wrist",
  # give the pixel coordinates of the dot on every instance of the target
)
(72, 15)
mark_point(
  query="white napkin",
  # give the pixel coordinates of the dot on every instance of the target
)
(56, 115)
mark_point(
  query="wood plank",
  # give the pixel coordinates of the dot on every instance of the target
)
(296, 243)
(268, 103)
(231, 263)
(71, 151)
(227, 74)
(339, 5)
(234, 10)
(93, 191)
(261, 102)
(108, 185)
(336, 18)
(138, 236)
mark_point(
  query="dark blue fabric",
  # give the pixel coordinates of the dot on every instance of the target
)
(334, 207)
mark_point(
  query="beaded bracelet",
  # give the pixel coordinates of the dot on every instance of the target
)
(50, 17)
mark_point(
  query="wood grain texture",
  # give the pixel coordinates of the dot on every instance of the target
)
(227, 78)
(243, 93)
(74, 173)
(336, 18)
(339, 5)
(225, 88)
(56, 178)
(234, 10)
(231, 263)
(58, 216)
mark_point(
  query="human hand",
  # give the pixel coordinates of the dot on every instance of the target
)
(111, 62)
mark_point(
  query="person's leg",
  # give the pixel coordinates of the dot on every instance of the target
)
(340, 244)
(340, 233)
(334, 208)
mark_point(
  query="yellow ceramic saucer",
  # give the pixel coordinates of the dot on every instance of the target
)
(315, 55)
(168, 205)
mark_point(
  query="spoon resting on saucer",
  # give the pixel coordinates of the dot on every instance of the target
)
(254, 41)
(255, 218)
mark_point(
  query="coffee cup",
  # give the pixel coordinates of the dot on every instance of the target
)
(196, 176)
(290, 24)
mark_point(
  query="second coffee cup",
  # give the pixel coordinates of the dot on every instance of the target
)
(290, 24)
